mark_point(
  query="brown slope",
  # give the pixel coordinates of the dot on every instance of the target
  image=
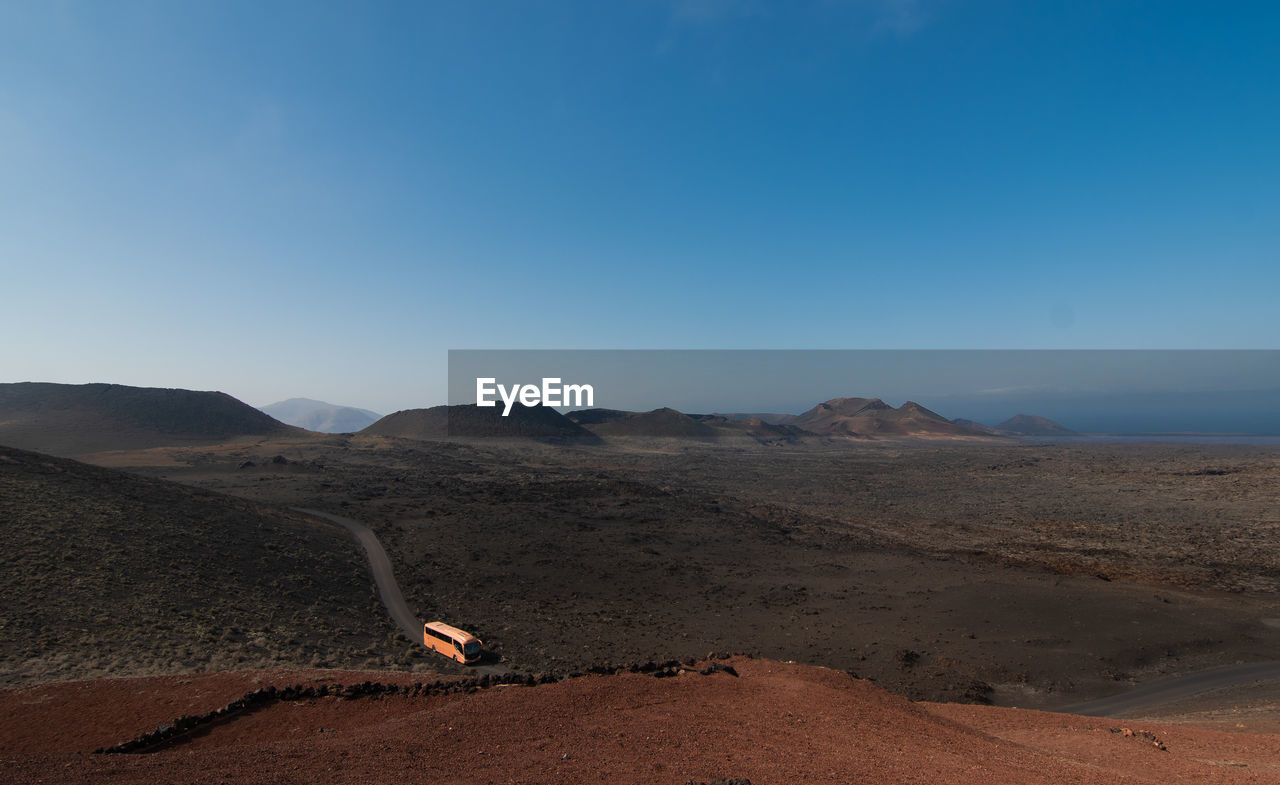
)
(541, 423)
(76, 419)
(104, 572)
(773, 722)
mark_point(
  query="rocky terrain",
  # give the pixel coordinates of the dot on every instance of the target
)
(109, 574)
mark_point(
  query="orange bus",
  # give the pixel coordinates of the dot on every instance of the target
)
(451, 642)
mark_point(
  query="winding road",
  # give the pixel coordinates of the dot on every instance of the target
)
(388, 589)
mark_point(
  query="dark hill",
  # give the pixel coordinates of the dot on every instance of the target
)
(470, 421)
(109, 573)
(73, 419)
(873, 418)
(1031, 425)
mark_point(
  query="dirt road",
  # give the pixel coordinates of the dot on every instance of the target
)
(388, 589)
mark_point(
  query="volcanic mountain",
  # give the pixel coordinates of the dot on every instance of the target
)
(471, 421)
(320, 416)
(74, 419)
(109, 573)
(870, 418)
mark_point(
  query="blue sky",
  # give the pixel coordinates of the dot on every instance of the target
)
(308, 199)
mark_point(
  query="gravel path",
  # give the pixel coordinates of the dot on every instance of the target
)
(388, 589)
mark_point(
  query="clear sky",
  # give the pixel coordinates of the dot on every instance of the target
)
(308, 199)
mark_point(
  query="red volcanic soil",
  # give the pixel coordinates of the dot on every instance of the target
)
(774, 722)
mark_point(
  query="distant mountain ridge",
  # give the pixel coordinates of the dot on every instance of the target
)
(78, 419)
(873, 418)
(75, 419)
(320, 416)
(858, 418)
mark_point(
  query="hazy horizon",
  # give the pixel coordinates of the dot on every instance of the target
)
(1090, 391)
